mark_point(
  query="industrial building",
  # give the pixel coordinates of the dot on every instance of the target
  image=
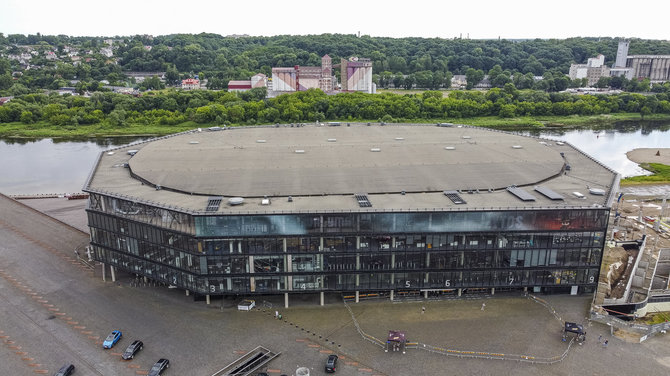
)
(654, 67)
(360, 208)
(592, 70)
(300, 78)
(356, 75)
(256, 81)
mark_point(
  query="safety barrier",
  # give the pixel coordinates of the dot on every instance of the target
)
(360, 331)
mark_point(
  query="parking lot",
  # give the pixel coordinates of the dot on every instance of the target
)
(56, 311)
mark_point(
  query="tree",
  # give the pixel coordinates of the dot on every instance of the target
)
(603, 82)
(409, 82)
(398, 80)
(6, 81)
(171, 74)
(473, 77)
(27, 117)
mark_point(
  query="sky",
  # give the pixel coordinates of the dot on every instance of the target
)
(476, 19)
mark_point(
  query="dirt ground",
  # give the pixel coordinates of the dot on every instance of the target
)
(649, 155)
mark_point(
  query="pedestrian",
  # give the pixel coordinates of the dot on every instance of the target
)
(605, 343)
(600, 338)
(76, 254)
(483, 306)
(423, 310)
(276, 314)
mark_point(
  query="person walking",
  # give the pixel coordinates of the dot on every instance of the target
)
(600, 338)
(483, 306)
(423, 310)
(605, 344)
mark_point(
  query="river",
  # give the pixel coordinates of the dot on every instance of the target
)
(49, 166)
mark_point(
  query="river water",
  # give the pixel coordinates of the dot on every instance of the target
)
(49, 166)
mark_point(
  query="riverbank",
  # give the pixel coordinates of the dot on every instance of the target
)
(44, 129)
(655, 160)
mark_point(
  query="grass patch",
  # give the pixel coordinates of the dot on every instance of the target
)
(660, 175)
(45, 129)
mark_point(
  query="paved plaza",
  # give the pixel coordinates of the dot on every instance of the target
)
(57, 311)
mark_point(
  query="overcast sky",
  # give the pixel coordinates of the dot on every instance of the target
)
(480, 19)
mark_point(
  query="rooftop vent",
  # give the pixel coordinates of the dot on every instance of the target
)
(363, 201)
(332, 140)
(449, 148)
(194, 142)
(578, 195)
(376, 150)
(235, 201)
(454, 197)
(260, 141)
(559, 143)
(132, 152)
(399, 138)
(290, 199)
(517, 147)
(466, 137)
(213, 204)
(265, 201)
(110, 153)
(300, 151)
(597, 191)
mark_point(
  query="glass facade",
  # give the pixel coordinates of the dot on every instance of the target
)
(223, 255)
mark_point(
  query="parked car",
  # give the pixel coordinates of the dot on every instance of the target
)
(159, 367)
(132, 349)
(112, 339)
(331, 364)
(65, 370)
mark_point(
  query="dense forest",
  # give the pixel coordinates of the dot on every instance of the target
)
(172, 107)
(399, 62)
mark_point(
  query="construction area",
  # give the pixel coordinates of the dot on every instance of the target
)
(633, 295)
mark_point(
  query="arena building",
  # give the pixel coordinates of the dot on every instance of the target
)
(352, 208)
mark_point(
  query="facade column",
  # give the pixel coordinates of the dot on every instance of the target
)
(493, 290)
(207, 299)
(321, 298)
(146, 280)
(111, 269)
(103, 272)
(285, 300)
(391, 295)
(460, 291)
(357, 296)
(425, 294)
(187, 293)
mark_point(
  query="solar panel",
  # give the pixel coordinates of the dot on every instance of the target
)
(454, 197)
(548, 192)
(521, 194)
(213, 204)
(363, 201)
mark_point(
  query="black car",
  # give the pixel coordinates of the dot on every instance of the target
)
(331, 364)
(65, 370)
(159, 367)
(132, 349)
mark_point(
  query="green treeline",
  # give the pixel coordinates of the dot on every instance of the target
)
(170, 107)
(401, 62)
